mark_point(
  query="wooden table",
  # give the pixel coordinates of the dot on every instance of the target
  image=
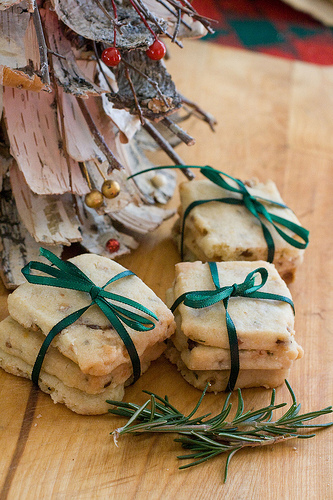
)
(275, 120)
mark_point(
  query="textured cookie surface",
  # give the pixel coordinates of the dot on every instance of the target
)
(24, 344)
(203, 357)
(265, 329)
(75, 399)
(260, 323)
(219, 231)
(91, 342)
(218, 379)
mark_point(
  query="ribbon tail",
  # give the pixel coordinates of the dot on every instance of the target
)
(270, 242)
(125, 337)
(64, 323)
(299, 230)
(272, 296)
(234, 353)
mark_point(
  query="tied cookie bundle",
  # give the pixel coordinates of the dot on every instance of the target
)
(244, 244)
(82, 330)
(235, 325)
(230, 220)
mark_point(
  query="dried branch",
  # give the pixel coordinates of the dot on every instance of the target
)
(190, 11)
(138, 107)
(174, 13)
(165, 146)
(44, 66)
(178, 131)
(176, 30)
(140, 6)
(101, 6)
(149, 80)
(203, 115)
(114, 163)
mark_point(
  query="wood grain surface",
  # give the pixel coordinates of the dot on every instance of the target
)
(275, 120)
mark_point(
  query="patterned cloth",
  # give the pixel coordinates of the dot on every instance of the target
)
(270, 27)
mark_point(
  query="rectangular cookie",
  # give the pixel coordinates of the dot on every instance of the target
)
(218, 379)
(75, 399)
(203, 357)
(265, 328)
(218, 231)
(91, 342)
(24, 344)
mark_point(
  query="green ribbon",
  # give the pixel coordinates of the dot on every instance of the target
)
(64, 274)
(206, 298)
(253, 205)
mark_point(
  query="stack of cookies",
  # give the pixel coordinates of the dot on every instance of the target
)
(87, 362)
(218, 231)
(265, 329)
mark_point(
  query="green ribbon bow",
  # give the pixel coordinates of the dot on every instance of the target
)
(206, 298)
(64, 274)
(252, 204)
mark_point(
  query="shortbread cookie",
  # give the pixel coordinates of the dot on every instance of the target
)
(75, 399)
(218, 379)
(24, 344)
(91, 342)
(218, 231)
(264, 327)
(260, 324)
(203, 357)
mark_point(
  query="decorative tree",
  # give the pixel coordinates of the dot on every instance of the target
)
(84, 87)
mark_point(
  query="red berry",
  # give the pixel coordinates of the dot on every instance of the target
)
(112, 245)
(111, 56)
(156, 51)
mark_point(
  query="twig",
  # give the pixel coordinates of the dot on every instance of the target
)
(60, 111)
(178, 131)
(193, 13)
(167, 7)
(139, 6)
(165, 146)
(101, 6)
(206, 117)
(113, 162)
(148, 79)
(55, 54)
(176, 30)
(101, 68)
(44, 66)
(137, 104)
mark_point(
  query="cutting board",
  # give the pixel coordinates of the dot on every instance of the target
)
(275, 120)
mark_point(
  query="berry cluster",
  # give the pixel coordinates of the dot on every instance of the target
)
(111, 56)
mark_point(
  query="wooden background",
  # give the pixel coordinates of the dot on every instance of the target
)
(275, 120)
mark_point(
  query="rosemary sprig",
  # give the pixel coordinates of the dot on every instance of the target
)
(208, 436)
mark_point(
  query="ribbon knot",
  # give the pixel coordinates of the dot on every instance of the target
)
(94, 292)
(206, 298)
(235, 290)
(255, 207)
(65, 274)
(252, 203)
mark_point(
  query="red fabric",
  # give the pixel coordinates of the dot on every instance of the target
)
(268, 26)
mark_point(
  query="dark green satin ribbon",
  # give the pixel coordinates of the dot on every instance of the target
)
(64, 274)
(252, 203)
(206, 298)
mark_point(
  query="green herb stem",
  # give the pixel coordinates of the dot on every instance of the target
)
(208, 436)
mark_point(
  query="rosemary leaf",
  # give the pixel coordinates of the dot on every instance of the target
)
(208, 436)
